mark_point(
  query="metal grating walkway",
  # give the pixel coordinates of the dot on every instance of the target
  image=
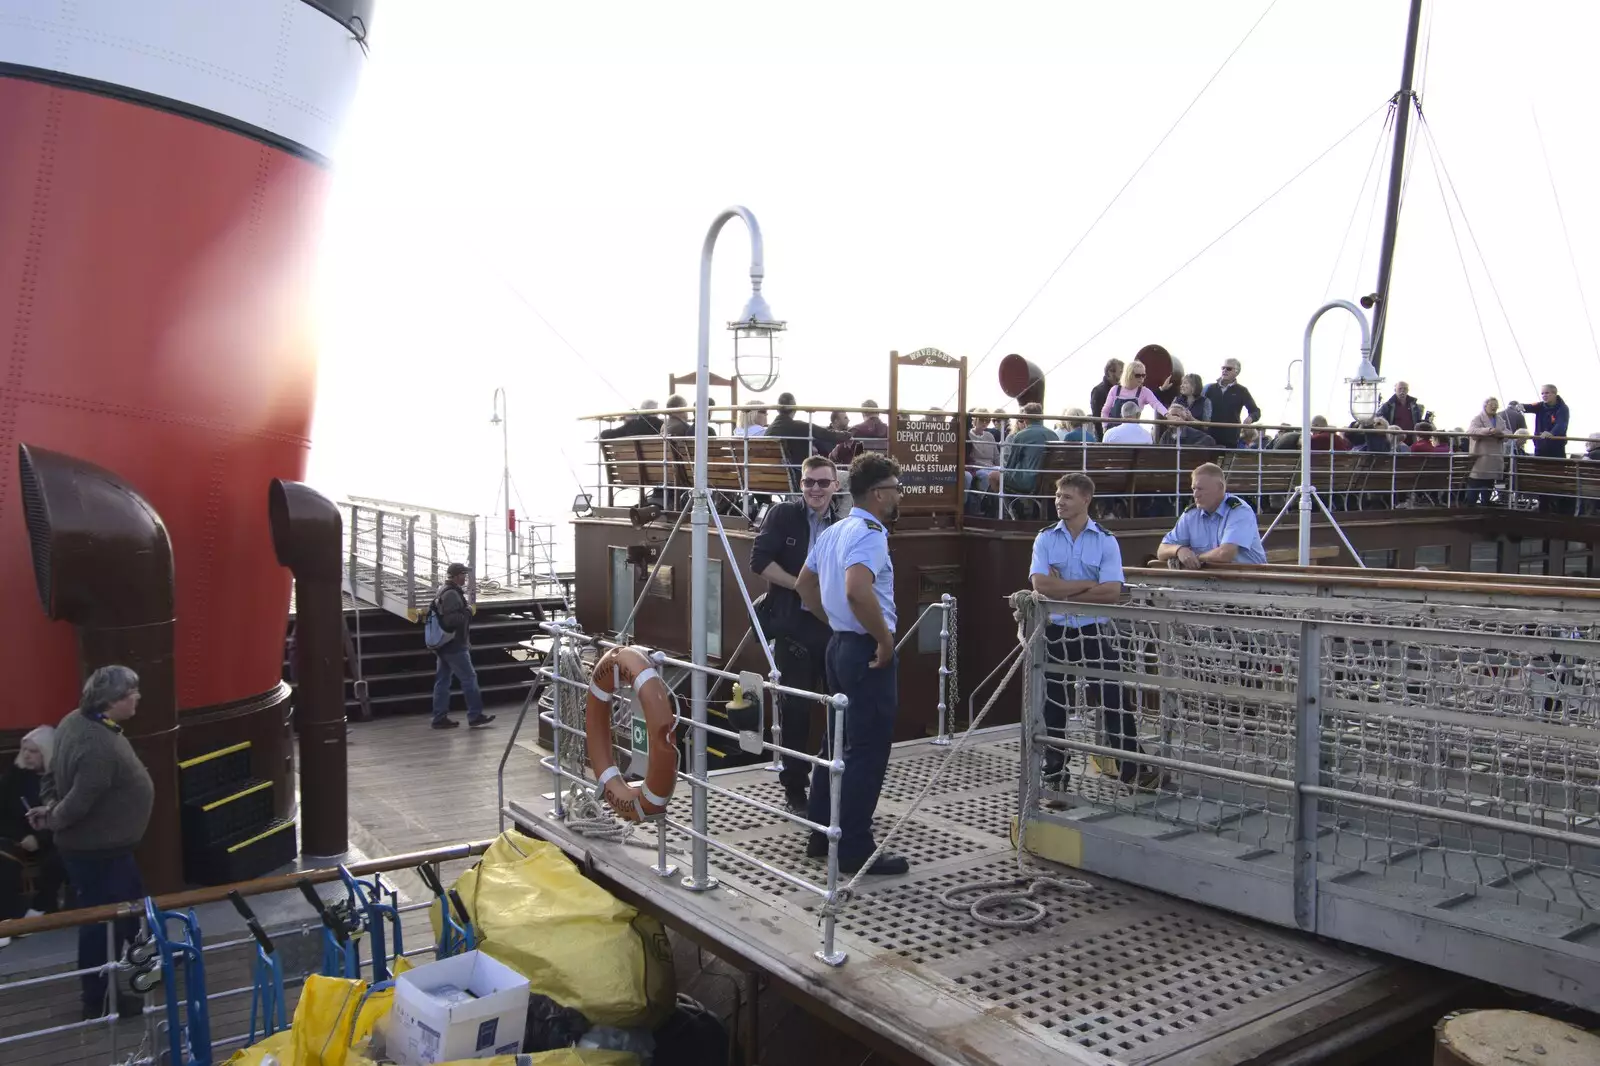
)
(1119, 974)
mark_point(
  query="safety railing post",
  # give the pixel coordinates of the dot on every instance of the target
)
(945, 728)
(829, 953)
(1307, 772)
(776, 765)
(377, 558)
(662, 868)
(559, 814)
(1032, 777)
(472, 558)
(411, 563)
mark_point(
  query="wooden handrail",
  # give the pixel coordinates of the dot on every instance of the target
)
(215, 894)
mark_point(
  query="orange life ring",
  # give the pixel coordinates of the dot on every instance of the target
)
(631, 666)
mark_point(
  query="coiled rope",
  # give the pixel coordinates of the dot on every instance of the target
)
(992, 895)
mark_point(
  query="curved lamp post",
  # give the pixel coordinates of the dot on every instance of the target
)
(1364, 390)
(503, 419)
(756, 363)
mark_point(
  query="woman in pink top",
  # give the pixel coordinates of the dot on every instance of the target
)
(1132, 389)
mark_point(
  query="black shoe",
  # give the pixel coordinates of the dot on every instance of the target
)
(796, 803)
(817, 846)
(888, 865)
(480, 721)
(446, 723)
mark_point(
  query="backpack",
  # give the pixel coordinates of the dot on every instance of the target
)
(434, 634)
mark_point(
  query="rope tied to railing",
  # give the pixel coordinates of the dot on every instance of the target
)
(1028, 882)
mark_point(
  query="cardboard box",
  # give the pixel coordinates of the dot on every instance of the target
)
(466, 1007)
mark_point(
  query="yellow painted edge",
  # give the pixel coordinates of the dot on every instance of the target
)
(1050, 840)
(237, 795)
(219, 753)
(714, 751)
(260, 836)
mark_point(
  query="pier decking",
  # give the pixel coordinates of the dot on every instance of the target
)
(1113, 975)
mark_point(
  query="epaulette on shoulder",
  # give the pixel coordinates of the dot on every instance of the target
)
(875, 527)
(1234, 501)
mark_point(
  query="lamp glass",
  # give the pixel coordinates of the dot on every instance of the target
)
(1364, 399)
(756, 354)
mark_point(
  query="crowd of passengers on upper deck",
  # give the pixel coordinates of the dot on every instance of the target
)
(1004, 454)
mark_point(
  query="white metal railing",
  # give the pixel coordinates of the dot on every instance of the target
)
(143, 1041)
(567, 729)
(1378, 472)
(1407, 769)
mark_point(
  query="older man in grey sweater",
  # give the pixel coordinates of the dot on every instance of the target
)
(96, 800)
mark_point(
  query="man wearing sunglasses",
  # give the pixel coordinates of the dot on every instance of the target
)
(849, 579)
(800, 638)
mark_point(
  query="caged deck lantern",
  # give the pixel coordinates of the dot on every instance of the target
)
(1366, 392)
(757, 338)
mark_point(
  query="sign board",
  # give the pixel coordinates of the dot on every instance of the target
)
(929, 453)
(929, 446)
(641, 736)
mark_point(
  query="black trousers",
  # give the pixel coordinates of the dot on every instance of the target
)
(1091, 648)
(802, 660)
(102, 879)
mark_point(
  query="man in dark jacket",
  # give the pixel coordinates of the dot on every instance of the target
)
(1402, 409)
(639, 424)
(455, 655)
(800, 637)
(1228, 399)
(801, 439)
(1550, 416)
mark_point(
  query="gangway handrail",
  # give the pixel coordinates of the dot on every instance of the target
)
(1350, 578)
(195, 897)
(416, 508)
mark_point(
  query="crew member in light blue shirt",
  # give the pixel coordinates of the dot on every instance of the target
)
(1219, 528)
(1078, 562)
(849, 579)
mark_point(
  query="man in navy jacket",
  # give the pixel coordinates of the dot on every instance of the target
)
(1549, 421)
(800, 637)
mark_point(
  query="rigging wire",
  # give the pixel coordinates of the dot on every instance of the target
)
(1219, 237)
(540, 316)
(1405, 191)
(1366, 242)
(1465, 274)
(1433, 152)
(1566, 235)
(1118, 195)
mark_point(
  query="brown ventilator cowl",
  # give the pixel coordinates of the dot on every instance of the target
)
(103, 562)
(307, 535)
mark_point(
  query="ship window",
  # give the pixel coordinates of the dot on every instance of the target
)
(1533, 566)
(1577, 547)
(1433, 556)
(621, 589)
(1485, 557)
(1533, 547)
(1381, 559)
(1575, 565)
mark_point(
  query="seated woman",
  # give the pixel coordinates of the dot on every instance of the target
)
(19, 844)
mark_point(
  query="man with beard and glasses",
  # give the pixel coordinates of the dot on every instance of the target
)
(800, 638)
(849, 579)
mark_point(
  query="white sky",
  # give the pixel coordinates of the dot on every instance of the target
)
(918, 170)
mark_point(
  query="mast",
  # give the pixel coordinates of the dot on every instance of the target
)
(1404, 101)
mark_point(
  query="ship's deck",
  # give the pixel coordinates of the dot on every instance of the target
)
(1114, 974)
(1117, 974)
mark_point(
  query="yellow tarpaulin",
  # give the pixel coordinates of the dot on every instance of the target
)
(575, 942)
